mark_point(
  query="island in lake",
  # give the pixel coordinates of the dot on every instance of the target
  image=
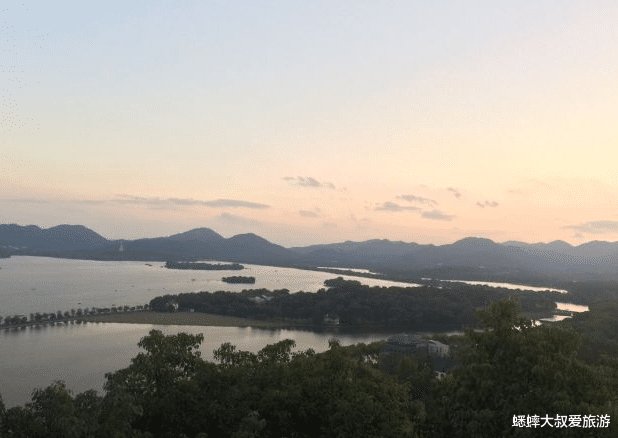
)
(446, 307)
(205, 266)
(239, 279)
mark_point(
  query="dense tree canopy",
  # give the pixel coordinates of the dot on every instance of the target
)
(514, 368)
(420, 308)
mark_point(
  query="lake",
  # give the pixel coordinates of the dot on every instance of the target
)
(576, 308)
(570, 307)
(81, 354)
(42, 284)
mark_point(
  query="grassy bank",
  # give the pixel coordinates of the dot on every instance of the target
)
(209, 319)
(186, 318)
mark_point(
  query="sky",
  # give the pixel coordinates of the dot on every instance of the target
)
(312, 121)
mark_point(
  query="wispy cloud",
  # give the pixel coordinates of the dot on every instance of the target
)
(456, 193)
(393, 206)
(155, 201)
(234, 219)
(418, 200)
(308, 213)
(55, 201)
(484, 204)
(308, 181)
(150, 201)
(437, 215)
(235, 203)
(595, 227)
(161, 202)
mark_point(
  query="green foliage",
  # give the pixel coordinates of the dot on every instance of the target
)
(509, 368)
(599, 330)
(53, 413)
(239, 279)
(2, 413)
(512, 367)
(450, 307)
(303, 394)
(156, 378)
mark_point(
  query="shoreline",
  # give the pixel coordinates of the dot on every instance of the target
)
(198, 319)
(188, 318)
(213, 320)
(149, 317)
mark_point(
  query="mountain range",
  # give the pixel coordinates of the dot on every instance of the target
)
(471, 257)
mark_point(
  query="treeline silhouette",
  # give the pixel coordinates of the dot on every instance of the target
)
(199, 266)
(67, 315)
(239, 279)
(451, 306)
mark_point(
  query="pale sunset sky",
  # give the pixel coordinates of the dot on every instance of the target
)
(312, 121)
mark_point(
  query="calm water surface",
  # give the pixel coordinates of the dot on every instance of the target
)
(41, 284)
(555, 318)
(577, 308)
(81, 354)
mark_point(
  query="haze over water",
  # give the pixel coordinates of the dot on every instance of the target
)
(41, 284)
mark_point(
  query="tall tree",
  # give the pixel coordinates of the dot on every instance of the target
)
(512, 368)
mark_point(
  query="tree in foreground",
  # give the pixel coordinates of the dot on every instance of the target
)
(513, 367)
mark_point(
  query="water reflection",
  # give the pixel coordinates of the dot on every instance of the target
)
(577, 308)
(555, 318)
(42, 284)
(81, 354)
(509, 286)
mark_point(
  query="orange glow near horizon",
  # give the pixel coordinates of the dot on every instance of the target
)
(424, 123)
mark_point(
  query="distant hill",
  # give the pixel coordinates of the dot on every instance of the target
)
(76, 241)
(197, 234)
(202, 243)
(469, 258)
(594, 250)
(58, 239)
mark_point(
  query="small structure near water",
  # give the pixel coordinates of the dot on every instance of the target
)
(406, 343)
(330, 319)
